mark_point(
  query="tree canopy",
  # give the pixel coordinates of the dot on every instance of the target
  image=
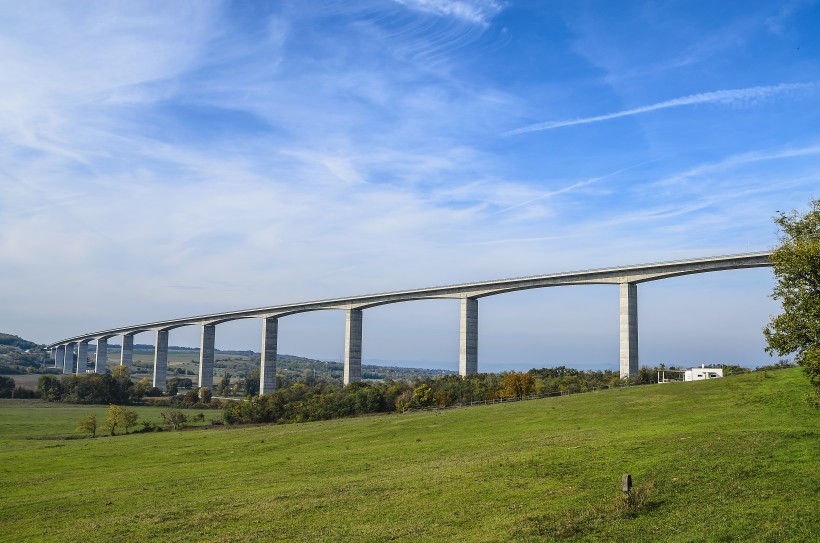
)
(796, 264)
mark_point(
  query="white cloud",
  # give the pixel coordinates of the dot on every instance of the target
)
(472, 11)
(726, 97)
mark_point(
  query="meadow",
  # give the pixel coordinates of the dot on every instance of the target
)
(734, 459)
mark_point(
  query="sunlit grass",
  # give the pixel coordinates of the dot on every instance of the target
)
(730, 459)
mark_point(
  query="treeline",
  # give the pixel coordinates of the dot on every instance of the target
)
(327, 400)
(9, 389)
(16, 341)
(117, 388)
(109, 388)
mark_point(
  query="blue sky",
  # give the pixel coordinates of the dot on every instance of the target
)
(165, 159)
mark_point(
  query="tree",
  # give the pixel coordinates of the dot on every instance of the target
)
(224, 384)
(175, 419)
(796, 265)
(205, 394)
(88, 424)
(141, 389)
(517, 385)
(6, 387)
(120, 372)
(50, 388)
(403, 401)
(423, 395)
(114, 418)
(252, 382)
(129, 419)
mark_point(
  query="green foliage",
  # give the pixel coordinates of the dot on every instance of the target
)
(16, 341)
(140, 389)
(205, 394)
(175, 420)
(796, 265)
(6, 387)
(129, 419)
(120, 372)
(422, 395)
(114, 418)
(224, 385)
(50, 388)
(251, 382)
(328, 400)
(517, 385)
(88, 424)
(93, 388)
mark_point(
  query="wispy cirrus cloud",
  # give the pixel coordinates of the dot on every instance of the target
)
(471, 11)
(728, 96)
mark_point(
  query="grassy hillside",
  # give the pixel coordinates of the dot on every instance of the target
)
(733, 459)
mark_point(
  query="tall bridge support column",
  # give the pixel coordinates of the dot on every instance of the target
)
(68, 360)
(629, 330)
(82, 357)
(267, 372)
(353, 346)
(127, 354)
(206, 356)
(59, 356)
(468, 337)
(161, 359)
(102, 356)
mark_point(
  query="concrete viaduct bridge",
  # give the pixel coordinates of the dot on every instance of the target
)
(627, 277)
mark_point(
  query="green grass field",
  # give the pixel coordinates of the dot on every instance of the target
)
(732, 459)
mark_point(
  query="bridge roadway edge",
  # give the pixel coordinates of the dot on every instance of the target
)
(624, 275)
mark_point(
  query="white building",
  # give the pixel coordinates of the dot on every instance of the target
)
(701, 373)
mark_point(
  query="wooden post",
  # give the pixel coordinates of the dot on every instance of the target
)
(626, 483)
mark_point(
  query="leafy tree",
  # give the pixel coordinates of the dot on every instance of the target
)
(205, 394)
(49, 388)
(224, 384)
(796, 264)
(129, 419)
(88, 424)
(191, 397)
(174, 419)
(252, 382)
(114, 418)
(172, 387)
(140, 389)
(518, 385)
(120, 372)
(423, 395)
(6, 387)
(404, 400)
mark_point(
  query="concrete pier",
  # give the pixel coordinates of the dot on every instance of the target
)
(68, 364)
(161, 359)
(628, 277)
(267, 372)
(102, 356)
(59, 356)
(353, 346)
(206, 356)
(468, 337)
(127, 354)
(629, 329)
(82, 357)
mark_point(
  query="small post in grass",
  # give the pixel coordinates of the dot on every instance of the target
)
(626, 483)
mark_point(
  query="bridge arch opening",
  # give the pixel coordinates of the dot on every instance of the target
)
(416, 334)
(574, 326)
(696, 319)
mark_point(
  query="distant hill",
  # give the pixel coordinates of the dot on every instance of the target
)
(16, 341)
